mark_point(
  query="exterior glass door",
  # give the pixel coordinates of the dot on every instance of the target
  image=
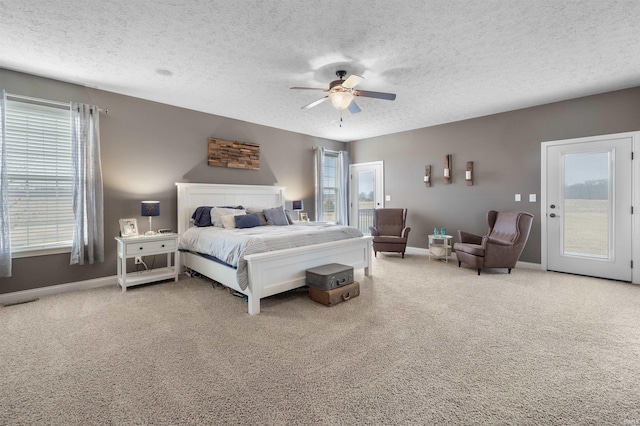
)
(588, 211)
(366, 194)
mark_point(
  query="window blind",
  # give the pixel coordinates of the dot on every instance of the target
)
(330, 186)
(39, 174)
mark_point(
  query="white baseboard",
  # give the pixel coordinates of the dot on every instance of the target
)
(417, 250)
(524, 265)
(26, 295)
(529, 265)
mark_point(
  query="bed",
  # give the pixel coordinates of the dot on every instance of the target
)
(271, 272)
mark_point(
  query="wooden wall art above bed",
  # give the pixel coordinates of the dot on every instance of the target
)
(236, 155)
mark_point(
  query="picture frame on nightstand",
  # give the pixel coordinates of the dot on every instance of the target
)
(304, 217)
(128, 227)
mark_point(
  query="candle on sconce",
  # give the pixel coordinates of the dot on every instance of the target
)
(426, 179)
(447, 168)
(469, 173)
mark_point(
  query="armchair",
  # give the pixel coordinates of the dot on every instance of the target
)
(501, 247)
(388, 231)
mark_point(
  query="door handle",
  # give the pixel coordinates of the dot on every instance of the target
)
(553, 215)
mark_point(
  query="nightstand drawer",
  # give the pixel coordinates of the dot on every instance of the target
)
(143, 248)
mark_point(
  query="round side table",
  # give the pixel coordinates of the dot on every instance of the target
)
(440, 247)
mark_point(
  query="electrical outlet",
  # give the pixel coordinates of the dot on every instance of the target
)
(138, 260)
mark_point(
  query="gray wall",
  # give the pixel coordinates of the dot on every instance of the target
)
(505, 149)
(146, 148)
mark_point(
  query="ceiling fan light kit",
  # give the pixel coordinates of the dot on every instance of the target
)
(341, 93)
(341, 100)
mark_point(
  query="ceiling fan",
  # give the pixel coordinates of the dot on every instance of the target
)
(341, 93)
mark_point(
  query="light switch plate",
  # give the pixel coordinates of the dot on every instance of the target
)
(532, 198)
(518, 197)
(387, 197)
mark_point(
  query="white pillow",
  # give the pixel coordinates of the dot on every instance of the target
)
(254, 209)
(229, 220)
(217, 212)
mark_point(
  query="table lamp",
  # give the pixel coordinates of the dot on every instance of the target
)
(150, 208)
(298, 206)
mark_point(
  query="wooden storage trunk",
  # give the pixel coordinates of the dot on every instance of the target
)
(335, 295)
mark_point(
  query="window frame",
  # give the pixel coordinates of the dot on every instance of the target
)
(39, 107)
(336, 187)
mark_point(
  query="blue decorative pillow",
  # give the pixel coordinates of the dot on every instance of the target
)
(276, 216)
(247, 220)
(202, 216)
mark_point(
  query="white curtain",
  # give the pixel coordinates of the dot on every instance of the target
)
(319, 175)
(5, 241)
(88, 236)
(343, 190)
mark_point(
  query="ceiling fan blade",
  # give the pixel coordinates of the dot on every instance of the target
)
(314, 103)
(306, 88)
(352, 81)
(353, 107)
(377, 95)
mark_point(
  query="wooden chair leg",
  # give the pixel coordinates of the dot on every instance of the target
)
(459, 263)
(403, 255)
(478, 271)
(509, 270)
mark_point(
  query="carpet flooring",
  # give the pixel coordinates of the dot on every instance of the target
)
(424, 343)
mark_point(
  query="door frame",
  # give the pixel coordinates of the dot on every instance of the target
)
(379, 185)
(635, 196)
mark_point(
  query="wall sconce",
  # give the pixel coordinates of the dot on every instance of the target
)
(427, 175)
(150, 208)
(468, 176)
(447, 168)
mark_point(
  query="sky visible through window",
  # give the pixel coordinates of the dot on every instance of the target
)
(583, 167)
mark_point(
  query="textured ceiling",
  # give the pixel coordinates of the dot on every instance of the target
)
(446, 60)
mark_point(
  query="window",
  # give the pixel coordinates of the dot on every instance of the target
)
(39, 175)
(330, 187)
(332, 168)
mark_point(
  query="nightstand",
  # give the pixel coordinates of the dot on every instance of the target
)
(131, 247)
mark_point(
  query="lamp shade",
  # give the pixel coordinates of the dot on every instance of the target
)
(340, 100)
(298, 205)
(150, 208)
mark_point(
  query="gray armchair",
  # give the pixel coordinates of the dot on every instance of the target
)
(501, 247)
(388, 231)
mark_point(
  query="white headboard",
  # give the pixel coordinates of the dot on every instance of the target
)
(193, 195)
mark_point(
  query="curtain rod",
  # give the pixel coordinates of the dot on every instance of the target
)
(47, 101)
(331, 151)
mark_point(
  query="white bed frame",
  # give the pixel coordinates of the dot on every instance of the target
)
(272, 272)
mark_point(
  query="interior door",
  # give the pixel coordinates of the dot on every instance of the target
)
(588, 206)
(366, 189)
